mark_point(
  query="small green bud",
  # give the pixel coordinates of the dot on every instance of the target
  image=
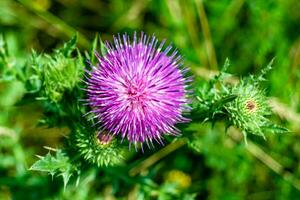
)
(60, 74)
(99, 148)
(249, 109)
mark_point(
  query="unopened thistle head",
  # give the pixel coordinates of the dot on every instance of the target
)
(138, 90)
(99, 148)
(249, 110)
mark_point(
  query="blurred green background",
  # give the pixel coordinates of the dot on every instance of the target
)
(249, 32)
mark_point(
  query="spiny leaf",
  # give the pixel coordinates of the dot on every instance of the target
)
(66, 177)
(276, 128)
(55, 165)
(223, 73)
(68, 47)
(3, 48)
(224, 100)
(47, 163)
(97, 46)
(92, 56)
(226, 65)
(103, 49)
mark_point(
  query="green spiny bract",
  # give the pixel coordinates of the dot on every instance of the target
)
(249, 109)
(58, 164)
(51, 76)
(99, 149)
(60, 75)
(242, 104)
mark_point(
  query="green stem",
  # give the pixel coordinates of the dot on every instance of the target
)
(157, 156)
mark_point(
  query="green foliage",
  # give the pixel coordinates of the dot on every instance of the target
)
(243, 104)
(59, 165)
(6, 62)
(51, 76)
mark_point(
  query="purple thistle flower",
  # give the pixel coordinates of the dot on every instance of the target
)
(137, 90)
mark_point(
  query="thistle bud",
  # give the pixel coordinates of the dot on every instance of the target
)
(99, 148)
(60, 75)
(249, 109)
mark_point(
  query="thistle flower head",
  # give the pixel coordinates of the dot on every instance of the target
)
(138, 90)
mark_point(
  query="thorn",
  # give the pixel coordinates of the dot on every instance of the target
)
(40, 157)
(245, 137)
(50, 148)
